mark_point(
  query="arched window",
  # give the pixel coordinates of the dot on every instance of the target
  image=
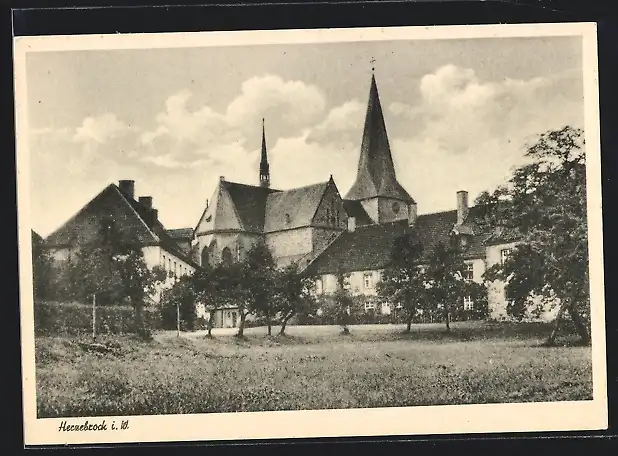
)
(226, 256)
(239, 248)
(205, 257)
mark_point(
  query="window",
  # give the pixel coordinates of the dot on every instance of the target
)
(169, 264)
(287, 219)
(468, 303)
(504, 255)
(468, 272)
(370, 305)
(368, 280)
(226, 256)
(175, 269)
(239, 250)
(205, 256)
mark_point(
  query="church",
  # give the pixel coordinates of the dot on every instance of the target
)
(326, 233)
(314, 226)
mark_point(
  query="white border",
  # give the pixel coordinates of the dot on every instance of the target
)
(564, 416)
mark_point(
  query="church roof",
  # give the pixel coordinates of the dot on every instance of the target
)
(369, 247)
(250, 203)
(376, 171)
(293, 208)
(180, 233)
(132, 217)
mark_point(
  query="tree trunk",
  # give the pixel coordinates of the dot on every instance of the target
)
(270, 327)
(284, 323)
(447, 318)
(409, 322)
(241, 327)
(552, 337)
(211, 322)
(580, 326)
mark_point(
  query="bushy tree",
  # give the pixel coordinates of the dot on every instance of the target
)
(445, 282)
(179, 301)
(403, 280)
(293, 295)
(42, 269)
(544, 207)
(210, 287)
(259, 272)
(111, 266)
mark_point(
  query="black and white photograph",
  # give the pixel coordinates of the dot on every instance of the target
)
(310, 233)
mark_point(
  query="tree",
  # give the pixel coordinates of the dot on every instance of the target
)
(293, 295)
(111, 266)
(403, 281)
(213, 287)
(180, 300)
(42, 269)
(343, 303)
(259, 279)
(445, 284)
(543, 206)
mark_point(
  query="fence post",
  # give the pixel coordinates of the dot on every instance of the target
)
(94, 316)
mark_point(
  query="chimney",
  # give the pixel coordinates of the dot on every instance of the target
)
(154, 215)
(351, 224)
(146, 201)
(221, 178)
(462, 206)
(127, 187)
(412, 214)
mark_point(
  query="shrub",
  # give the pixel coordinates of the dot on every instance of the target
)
(61, 318)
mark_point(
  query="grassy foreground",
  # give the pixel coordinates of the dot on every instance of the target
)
(312, 368)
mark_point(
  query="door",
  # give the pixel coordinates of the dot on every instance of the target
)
(234, 318)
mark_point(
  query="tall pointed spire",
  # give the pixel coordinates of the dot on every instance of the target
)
(264, 169)
(376, 171)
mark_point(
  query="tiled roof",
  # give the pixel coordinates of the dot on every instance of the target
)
(369, 247)
(376, 171)
(131, 217)
(36, 238)
(355, 209)
(250, 202)
(293, 208)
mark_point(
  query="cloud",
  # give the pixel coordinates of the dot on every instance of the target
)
(205, 136)
(343, 124)
(461, 113)
(469, 134)
(100, 129)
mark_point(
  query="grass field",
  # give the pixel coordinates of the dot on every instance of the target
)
(311, 368)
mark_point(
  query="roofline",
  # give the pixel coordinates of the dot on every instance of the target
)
(228, 231)
(235, 209)
(126, 200)
(74, 216)
(315, 212)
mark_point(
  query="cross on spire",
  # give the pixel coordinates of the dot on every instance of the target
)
(373, 61)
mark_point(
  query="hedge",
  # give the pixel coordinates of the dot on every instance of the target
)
(61, 318)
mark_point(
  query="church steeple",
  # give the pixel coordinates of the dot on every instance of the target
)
(376, 172)
(264, 170)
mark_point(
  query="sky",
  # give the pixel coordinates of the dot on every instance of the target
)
(459, 114)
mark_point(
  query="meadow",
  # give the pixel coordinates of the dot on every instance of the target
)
(313, 367)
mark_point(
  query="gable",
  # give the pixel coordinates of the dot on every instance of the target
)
(331, 210)
(84, 226)
(250, 204)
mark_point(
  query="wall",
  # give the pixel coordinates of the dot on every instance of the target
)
(290, 242)
(496, 296)
(331, 202)
(386, 212)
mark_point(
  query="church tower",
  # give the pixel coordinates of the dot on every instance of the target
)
(376, 185)
(264, 170)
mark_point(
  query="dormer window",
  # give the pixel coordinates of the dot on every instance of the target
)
(287, 219)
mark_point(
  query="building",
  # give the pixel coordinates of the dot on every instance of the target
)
(326, 234)
(135, 218)
(312, 226)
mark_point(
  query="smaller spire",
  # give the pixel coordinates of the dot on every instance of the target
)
(264, 168)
